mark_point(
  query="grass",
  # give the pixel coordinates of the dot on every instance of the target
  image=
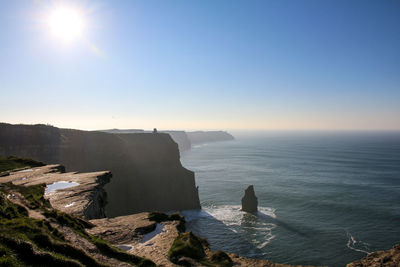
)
(34, 242)
(186, 245)
(118, 254)
(220, 258)
(12, 163)
(33, 194)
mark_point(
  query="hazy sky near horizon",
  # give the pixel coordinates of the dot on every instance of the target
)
(209, 64)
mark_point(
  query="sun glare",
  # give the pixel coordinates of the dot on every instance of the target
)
(66, 24)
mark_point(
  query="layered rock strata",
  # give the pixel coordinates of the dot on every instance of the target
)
(86, 199)
(146, 167)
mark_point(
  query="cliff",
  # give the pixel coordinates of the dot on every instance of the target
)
(179, 137)
(32, 232)
(40, 227)
(147, 173)
(185, 140)
(200, 137)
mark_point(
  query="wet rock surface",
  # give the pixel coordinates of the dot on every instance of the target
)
(249, 201)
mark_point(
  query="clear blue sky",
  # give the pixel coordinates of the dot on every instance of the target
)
(217, 64)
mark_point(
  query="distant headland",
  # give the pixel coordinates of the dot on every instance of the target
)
(185, 140)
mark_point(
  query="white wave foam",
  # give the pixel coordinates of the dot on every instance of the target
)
(258, 226)
(355, 245)
(269, 239)
(228, 214)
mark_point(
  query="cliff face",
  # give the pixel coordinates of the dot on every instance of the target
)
(181, 138)
(185, 140)
(147, 173)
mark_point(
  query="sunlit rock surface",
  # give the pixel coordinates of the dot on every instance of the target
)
(86, 199)
(128, 232)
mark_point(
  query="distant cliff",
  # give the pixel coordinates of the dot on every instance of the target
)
(179, 137)
(199, 137)
(185, 140)
(146, 167)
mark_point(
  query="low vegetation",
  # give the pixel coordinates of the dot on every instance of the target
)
(38, 242)
(10, 163)
(221, 259)
(186, 245)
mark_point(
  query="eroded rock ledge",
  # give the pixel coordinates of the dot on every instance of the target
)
(145, 235)
(387, 258)
(87, 199)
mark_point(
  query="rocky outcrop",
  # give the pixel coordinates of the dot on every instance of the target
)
(86, 199)
(387, 258)
(147, 173)
(249, 201)
(129, 233)
(200, 137)
(159, 237)
(32, 232)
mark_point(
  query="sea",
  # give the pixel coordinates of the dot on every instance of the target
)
(325, 198)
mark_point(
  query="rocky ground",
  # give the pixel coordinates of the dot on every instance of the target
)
(87, 199)
(387, 258)
(33, 233)
(68, 227)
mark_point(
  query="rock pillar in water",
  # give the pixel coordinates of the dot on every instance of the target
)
(249, 201)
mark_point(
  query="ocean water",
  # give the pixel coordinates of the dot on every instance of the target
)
(324, 198)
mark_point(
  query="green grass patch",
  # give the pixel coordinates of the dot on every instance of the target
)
(119, 254)
(13, 163)
(65, 219)
(186, 245)
(33, 194)
(221, 259)
(28, 241)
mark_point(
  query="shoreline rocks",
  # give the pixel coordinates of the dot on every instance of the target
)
(387, 258)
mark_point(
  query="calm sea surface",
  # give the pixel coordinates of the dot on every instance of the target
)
(324, 198)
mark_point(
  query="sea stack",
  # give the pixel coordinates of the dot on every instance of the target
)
(249, 201)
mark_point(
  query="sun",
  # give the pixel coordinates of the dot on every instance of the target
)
(66, 24)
